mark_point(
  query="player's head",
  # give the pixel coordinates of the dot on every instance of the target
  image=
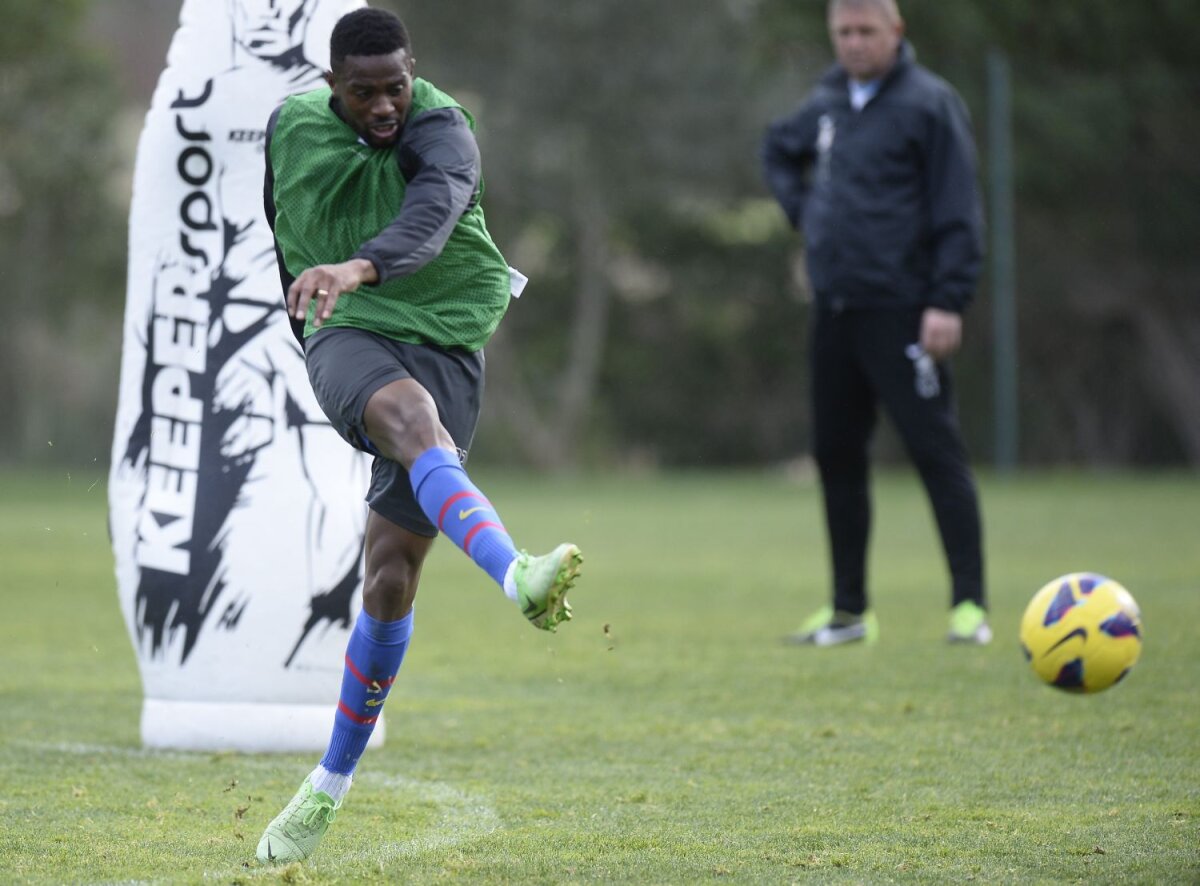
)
(866, 36)
(371, 73)
(269, 29)
(366, 32)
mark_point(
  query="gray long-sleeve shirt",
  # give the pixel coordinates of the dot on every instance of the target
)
(439, 158)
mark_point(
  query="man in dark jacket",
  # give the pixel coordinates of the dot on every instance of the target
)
(877, 170)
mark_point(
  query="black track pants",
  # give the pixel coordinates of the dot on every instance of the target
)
(858, 360)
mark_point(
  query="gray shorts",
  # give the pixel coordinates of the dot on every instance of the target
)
(346, 366)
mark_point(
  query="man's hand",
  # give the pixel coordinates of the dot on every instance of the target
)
(327, 283)
(941, 332)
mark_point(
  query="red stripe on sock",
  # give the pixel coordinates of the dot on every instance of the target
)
(362, 721)
(475, 529)
(457, 497)
(367, 681)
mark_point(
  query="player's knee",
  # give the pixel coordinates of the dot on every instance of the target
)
(389, 588)
(423, 427)
(405, 425)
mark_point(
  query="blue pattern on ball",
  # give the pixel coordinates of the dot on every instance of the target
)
(1071, 675)
(1064, 601)
(1120, 625)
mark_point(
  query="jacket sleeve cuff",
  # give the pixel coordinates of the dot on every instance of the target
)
(945, 301)
(375, 262)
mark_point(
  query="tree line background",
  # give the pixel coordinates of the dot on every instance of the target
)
(666, 319)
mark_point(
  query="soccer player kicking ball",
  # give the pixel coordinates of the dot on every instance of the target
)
(372, 191)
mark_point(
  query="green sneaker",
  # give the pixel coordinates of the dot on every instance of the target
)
(825, 627)
(968, 624)
(543, 582)
(295, 832)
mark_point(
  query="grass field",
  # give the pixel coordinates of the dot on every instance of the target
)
(665, 736)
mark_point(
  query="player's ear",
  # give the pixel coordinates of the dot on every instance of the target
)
(330, 79)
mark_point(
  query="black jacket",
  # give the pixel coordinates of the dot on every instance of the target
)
(886, 197)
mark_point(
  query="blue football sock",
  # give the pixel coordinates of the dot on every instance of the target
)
(451, 501)
(373, 658)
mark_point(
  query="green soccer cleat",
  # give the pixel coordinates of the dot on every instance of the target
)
(543, 582)
(968, 624)
(825, 627)
(295, 832)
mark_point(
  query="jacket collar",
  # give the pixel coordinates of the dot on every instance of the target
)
(906, 56)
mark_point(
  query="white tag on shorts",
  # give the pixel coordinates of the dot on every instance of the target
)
(516, 282)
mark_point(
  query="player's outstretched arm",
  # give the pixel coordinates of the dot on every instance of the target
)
(326, 284)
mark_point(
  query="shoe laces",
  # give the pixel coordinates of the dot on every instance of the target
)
(312, 808)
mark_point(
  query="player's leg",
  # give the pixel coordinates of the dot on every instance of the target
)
(843, 417)
(919, 398)
(401, 419)
(381, 635)
(394, 557)
(426, 423)
(418, 406)
(345, 367)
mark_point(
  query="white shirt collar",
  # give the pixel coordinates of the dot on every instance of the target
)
(861, 93)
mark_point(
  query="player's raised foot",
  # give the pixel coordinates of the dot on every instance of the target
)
(296, 831)
(542, 585)
(968, 624)
(827, 627)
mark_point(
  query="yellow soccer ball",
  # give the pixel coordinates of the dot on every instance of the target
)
(1082, 632)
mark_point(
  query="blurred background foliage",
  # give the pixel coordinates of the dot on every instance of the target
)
(666, 319)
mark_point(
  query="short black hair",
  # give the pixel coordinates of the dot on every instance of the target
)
(367, 32)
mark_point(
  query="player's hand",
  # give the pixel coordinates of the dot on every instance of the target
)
(326, 284)
(941, 332)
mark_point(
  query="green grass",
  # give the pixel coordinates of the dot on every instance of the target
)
(665, 736)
